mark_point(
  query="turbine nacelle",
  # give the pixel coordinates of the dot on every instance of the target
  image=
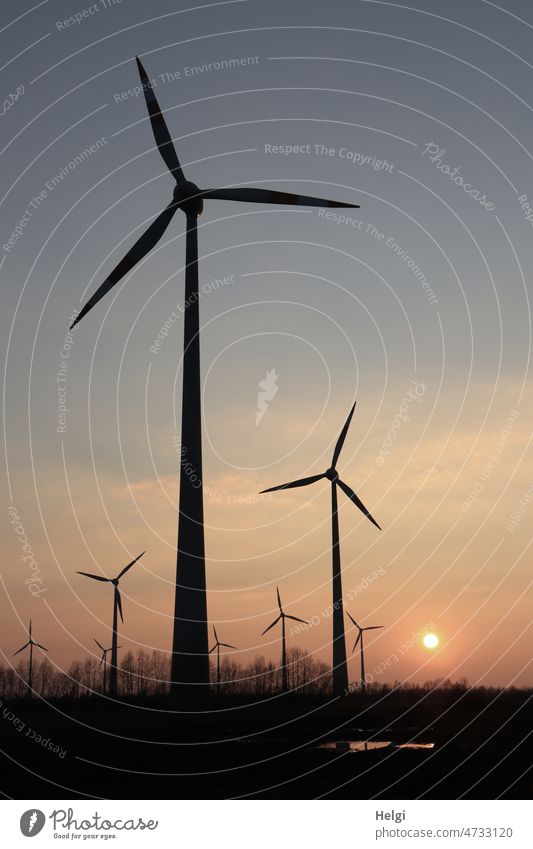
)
(332, 475)
(188, 197)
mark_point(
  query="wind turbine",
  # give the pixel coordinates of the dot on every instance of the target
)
(340, 670)
(31, 643)
(360, 641)
(190, 661)
(217, 647)
(283, 616)
(104, 661)
(117, 608)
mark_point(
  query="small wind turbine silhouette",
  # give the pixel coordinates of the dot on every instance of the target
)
(190, 661)
(217, 646)
(283, 616)
(340, 669)
(104, 662)
(360, 641)
(117, 608)
(31, 643)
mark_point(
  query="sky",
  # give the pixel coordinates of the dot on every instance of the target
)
(416, 306)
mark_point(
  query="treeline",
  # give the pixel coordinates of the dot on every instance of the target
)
(146, 675)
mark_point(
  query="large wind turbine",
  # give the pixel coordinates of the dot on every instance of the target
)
(190, 661)
(340, 670)
(117, 608)
(31, 643)
(360, 641)
(283, 616)
(217, 646)
(104, 662)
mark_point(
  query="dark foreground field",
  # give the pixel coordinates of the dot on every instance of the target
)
(94, 748)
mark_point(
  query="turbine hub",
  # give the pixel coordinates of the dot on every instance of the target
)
(187, 196)
(115, 582)
(332, 475)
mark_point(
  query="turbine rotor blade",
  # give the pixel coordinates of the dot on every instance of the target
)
(30, 629)
(249, 195)
(142, 246)
(342, 437)
(357, 501)
(119, 602)
(215, 633)
(279, 601)
(292, 484)
(353, 620)
(356, 642)
(100, 646)
(296, 619)
(162, 137)
(96, 577)
(212, 650)
(275, 622)
(101, 661)
(120, 574)
(373, 627)
(22, 649)
(227, 646)
(40, 646)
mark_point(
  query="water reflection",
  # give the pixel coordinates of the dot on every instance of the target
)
(370, 745)
(355, 745)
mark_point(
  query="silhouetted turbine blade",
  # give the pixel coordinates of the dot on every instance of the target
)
(120, 574)
(342, 437)
(19, 650)
(279, 601)
(356, 642)
(227, 646)
(161, 134)
(357, 501)
(269, 196)
(275, 622)
(101, 661)
(142, 246)
(215, 633)
(373, 627)
(353, 620)
(302, 482)
(40, 646)
(119, 602)
(212, 650)
(100, 646)
(305, 622)
(96, 577)
(30, 628)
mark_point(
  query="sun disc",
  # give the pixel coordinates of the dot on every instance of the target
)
(431, 641)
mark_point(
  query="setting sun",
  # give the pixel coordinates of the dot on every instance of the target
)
(431, 641)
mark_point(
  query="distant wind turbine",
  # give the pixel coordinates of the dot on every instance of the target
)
(117, 608)
(360, 641)
(31, 643)
(104, 662)
(190, 661)
(283, 616)
(340, 669)
(217, 646)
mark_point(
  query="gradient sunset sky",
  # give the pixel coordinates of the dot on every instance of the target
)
(382, 101)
